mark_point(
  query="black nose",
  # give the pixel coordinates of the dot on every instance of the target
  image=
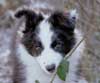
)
(51, 68)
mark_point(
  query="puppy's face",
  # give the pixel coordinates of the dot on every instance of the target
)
(48, 38)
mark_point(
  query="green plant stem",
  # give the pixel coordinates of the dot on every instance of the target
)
(68, 55)
(53, 77)
(73, 50)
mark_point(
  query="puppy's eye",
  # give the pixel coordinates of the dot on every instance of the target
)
(38, 48)
(58, 45)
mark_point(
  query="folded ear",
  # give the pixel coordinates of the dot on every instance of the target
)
(31, 18)
(28, 14)
(64, 19)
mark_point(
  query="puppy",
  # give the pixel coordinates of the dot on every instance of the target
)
(47, 37)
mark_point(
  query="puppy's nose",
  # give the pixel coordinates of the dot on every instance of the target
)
(51, 67)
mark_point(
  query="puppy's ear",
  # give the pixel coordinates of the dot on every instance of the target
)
(31, 19)
(25, 13)
(65, 20)
(73, 14)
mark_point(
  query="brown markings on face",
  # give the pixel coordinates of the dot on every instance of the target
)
(29, 39)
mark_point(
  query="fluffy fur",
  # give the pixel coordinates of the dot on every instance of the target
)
(39, 48)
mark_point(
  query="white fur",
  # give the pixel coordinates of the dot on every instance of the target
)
(48, 56)
(35, 67)
(34, 71)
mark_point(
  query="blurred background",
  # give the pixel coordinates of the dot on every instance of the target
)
(88, 22)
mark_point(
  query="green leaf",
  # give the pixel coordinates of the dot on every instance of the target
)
(37, 81)
(63, 69)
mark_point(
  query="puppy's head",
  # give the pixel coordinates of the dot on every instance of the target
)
(48, 38)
